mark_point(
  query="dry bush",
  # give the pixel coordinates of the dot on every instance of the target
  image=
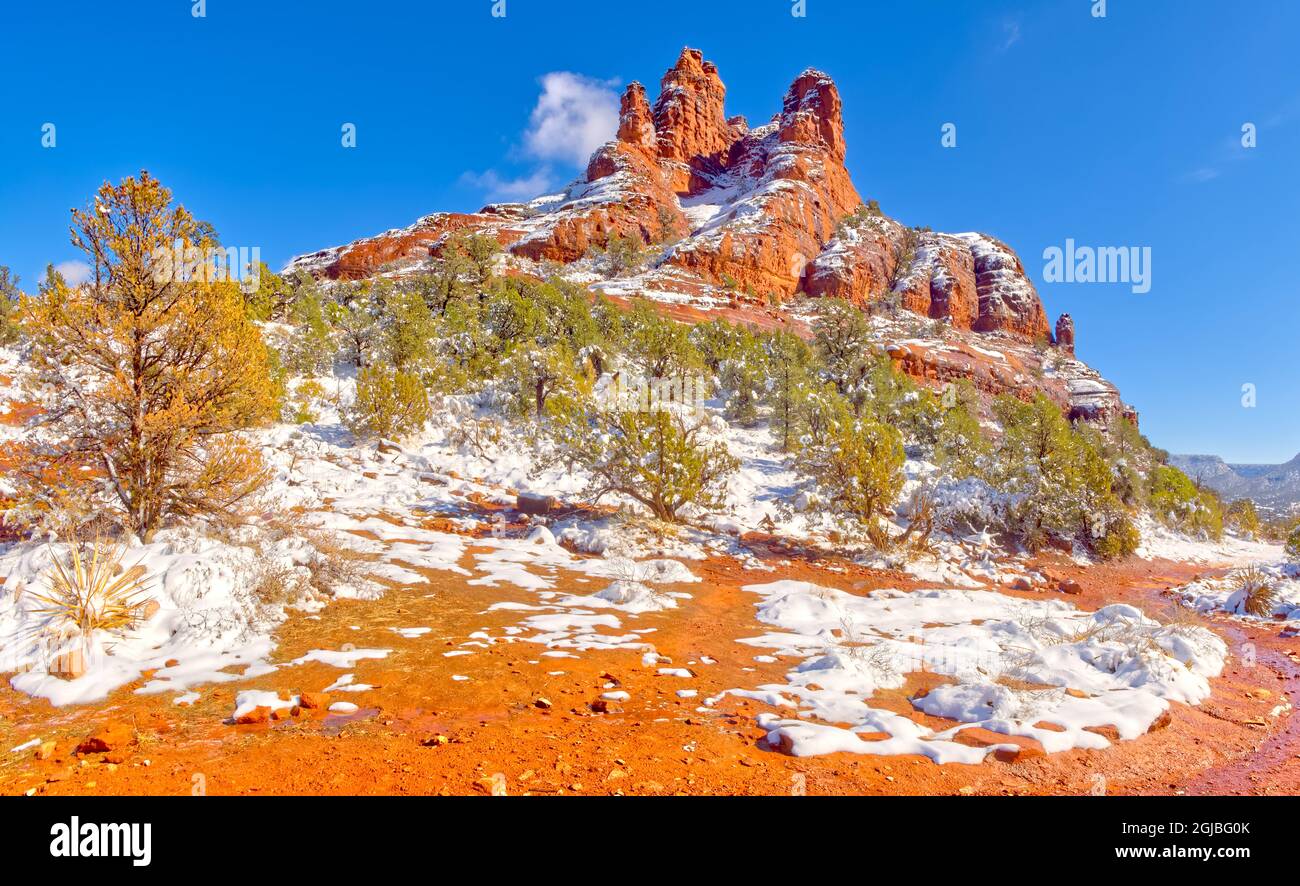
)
(921, 524)
(276, 585)
(480, 436)
(335, 564)
(881, 538)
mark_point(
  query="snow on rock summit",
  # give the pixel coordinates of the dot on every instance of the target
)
(751, 217)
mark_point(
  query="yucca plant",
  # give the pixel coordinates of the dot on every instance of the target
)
(92, 591)
(1260, 592)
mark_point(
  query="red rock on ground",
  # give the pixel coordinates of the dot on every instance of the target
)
(112, 735)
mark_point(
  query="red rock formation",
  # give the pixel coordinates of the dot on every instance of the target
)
(794, 191)
(950, 268)
(862, 265)
(690, 118)
(365, 258)
(636, 126)
(1008, 301)
(764, 206)
(1065, 334)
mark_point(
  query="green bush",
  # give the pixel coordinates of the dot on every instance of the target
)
(1293, 545)
(660, 458)
(961, 447)
(1176, 502)
(1062, 479)
(791, 384)
(1121, 539)
(311, 350)
(842, 339)
(858, 470)
(389, 404)
(1242, 517)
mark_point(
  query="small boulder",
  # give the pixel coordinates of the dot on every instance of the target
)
(1072, 587)
(111, 736)
(258, 714)
(534, 504)
(314, 701)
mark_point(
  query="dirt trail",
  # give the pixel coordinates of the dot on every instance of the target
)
(525, 723)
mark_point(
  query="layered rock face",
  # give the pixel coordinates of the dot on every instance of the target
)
(972, 280)
(754, 212)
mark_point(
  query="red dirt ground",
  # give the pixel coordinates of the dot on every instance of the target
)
(418, 732)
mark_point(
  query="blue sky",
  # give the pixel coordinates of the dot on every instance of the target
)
(1122, 131)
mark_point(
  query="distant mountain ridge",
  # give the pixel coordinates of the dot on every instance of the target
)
(1272, 486)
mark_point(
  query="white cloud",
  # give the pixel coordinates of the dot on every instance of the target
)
(498, 188)
(73, 272)
(574, 116)
(1010, 34)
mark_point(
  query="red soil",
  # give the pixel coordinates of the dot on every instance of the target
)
(418, 732)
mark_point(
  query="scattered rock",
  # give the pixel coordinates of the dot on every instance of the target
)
(260, 714)
(108, 737)
(46, 750)
(875, 736)
(1110, 733)
(534, 504)
(1072, 587)
(543, 703)
(314, 701)
(492, 785)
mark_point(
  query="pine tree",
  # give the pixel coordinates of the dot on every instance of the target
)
(153, 373)
(790, 384)
(355, 315)
(9, 296)
(842, 338)
(858, 470)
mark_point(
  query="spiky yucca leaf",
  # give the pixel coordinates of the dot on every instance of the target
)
(1261, 594)
(86, 595)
